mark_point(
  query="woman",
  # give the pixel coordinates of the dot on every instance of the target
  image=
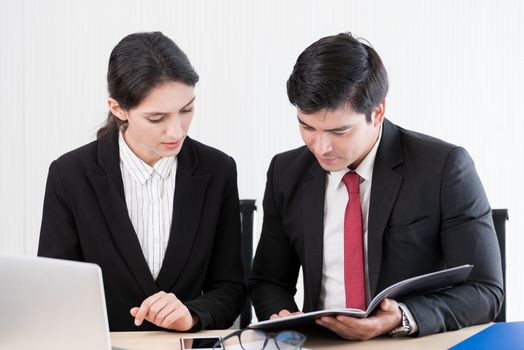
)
(158, 211)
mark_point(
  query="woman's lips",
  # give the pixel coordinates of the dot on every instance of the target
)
(170, 145)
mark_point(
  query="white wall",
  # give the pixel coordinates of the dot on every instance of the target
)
(455, 69)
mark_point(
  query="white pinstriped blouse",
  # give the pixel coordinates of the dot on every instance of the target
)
(149, 193)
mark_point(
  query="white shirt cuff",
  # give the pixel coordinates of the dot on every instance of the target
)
(411, 319)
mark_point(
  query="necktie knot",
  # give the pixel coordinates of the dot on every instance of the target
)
(352, 182)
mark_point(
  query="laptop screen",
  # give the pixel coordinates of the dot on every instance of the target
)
(52, 304)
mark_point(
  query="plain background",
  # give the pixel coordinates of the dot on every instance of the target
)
(455, 70)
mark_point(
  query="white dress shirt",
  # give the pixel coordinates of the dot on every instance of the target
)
(332, 293)
(149, 193)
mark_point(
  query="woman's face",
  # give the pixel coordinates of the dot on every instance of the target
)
(158, 126)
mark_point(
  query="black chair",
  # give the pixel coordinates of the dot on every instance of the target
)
(247, 209)
(500, 216)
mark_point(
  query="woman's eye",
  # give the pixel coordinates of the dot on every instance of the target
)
(189, 110)
(156, 120)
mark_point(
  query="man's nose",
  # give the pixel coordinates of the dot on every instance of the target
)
(323, 144)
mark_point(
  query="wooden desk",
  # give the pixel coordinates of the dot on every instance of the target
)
(170, 341)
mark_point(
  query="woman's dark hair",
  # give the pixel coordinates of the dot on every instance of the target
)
(138, 63)
(336, 70)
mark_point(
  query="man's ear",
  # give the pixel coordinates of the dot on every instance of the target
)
(115, 108)
(378, 113)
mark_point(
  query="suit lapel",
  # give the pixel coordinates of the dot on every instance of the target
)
(109, 190)
(313, 194)
(384, 190)
(190, 194)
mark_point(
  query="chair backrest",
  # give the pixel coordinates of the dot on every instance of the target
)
(500, 216)
(247, 209)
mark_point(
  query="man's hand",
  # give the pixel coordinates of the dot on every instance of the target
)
(164, 310)
(284, 313)
(385, 319)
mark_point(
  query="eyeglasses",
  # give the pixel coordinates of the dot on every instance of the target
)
(251, 339)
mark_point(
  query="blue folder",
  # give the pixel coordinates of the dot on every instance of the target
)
(500, 336)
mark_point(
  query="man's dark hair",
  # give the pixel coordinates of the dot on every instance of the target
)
(336, 70)
(139, 63)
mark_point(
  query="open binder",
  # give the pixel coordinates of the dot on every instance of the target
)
(416, 285)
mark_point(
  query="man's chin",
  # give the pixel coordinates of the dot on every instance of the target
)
(332, 167)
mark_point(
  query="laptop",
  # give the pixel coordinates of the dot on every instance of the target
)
(52, 304)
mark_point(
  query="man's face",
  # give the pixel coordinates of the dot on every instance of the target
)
(341, 138)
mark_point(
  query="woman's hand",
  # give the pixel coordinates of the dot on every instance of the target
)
(164, 310)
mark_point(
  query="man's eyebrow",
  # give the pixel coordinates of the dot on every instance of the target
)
(163, 113)
(301, 122)
(339, 129)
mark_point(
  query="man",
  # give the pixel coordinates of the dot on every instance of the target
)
(365, 204)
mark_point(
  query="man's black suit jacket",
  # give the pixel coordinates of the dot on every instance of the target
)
(85, 218)
(428, 211)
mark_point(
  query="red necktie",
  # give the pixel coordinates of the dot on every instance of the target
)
(353, 247)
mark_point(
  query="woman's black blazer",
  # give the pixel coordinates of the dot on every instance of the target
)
(85, 218)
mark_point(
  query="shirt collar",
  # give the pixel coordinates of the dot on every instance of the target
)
(364, 169)
(139, 169)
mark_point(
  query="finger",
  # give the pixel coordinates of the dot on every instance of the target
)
(133, 311)
(144, 307)
(363, 328)
(169, 308)
(326, 320)
(180, 319)
(388, 305)
(367, 324)
(350, 321)
(337, 327)
(157, 307)
(284, 313)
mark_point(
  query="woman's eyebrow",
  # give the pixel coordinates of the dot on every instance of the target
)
(187, 104)
(155, 113)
